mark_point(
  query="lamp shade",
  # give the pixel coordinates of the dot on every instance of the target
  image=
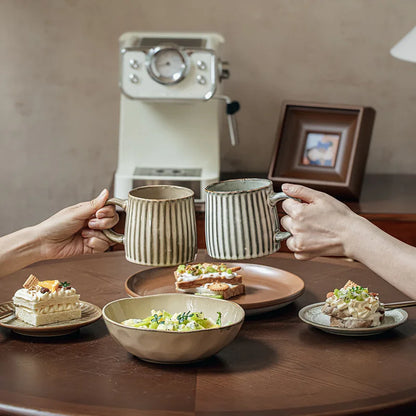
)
(406, 48)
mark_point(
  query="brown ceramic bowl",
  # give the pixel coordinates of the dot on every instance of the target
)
(168, 346)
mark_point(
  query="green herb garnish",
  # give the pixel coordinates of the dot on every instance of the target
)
(209, 295)
(181, 268)
(184, 317)
(353, 293)
(218, 322)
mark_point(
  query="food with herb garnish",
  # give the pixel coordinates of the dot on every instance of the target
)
(209, 279)
(184, 321)
(353, 306)
(46, 302)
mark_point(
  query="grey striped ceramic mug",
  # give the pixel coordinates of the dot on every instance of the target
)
(160, 227)
(241, 220)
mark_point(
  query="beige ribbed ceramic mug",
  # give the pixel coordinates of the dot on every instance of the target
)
(241, 220)
(160, 227)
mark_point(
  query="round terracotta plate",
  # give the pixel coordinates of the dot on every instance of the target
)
(89, 314)
(267, 288)
(313, 315)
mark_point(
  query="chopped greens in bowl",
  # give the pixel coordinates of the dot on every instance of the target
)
(184, 321)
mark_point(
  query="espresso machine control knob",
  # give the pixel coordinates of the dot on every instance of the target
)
(201, 79)
(201, 65)
(134, 64)
(224, 72)
(134, 78)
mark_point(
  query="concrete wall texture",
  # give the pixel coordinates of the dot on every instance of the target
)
(59, 96)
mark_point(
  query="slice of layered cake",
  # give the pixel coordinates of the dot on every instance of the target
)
(46, 302)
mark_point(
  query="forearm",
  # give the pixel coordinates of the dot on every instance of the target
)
(18, 250)
(390, 258)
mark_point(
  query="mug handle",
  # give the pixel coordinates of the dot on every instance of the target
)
(274, 198)
(110, 233)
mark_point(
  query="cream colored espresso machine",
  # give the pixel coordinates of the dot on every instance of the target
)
(171, 110)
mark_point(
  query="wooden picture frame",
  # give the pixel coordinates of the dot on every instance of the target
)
(323, 146)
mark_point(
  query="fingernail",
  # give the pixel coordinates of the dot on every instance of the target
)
(92, 222)
(286, 187)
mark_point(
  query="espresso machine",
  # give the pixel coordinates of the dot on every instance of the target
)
(171, 110)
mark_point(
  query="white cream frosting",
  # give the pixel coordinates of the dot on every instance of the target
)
(34, 295)
(188, 277)
(60, 307)
(358, 309)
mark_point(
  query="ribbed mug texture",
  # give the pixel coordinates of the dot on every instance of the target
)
(160, 233)
(240, 225)
(160, 225)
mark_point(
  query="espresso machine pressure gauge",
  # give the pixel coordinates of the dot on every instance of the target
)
(167, 65)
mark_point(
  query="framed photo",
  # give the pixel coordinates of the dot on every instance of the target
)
(323, 146)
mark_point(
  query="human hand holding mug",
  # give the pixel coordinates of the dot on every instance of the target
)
(241, 220)
(160, 227)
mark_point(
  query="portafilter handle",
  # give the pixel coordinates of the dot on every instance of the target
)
(231, 109)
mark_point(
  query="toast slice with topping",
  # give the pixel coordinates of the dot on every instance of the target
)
(194, 275)
(212, 279)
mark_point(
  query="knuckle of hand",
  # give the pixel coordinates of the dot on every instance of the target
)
(289, 243)
(109, 210)
(301, 256)
(296, 209)
(296, 229)
(297, 216)
(295, 190)
(300, 217)
(299, 245)
(289, 204)
(323, 198)
(285, 205)
(92, 241)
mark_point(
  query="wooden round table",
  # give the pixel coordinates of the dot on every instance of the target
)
(277, 365)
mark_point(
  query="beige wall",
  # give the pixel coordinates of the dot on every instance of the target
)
(59, 94)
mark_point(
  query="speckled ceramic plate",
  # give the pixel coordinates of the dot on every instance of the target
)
(89, 314)
(267, 288)
(312, 315)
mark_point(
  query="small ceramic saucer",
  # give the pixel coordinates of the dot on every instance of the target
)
(312, 315)
(89, 314)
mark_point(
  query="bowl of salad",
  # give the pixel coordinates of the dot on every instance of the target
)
(173, 327)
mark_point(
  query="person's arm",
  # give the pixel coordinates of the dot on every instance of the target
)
(387, 256)
(323, 226)
(71, 231)
(19, 249)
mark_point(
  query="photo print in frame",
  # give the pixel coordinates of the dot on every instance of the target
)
(320, 149)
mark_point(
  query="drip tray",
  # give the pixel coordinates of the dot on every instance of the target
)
(185, 172)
